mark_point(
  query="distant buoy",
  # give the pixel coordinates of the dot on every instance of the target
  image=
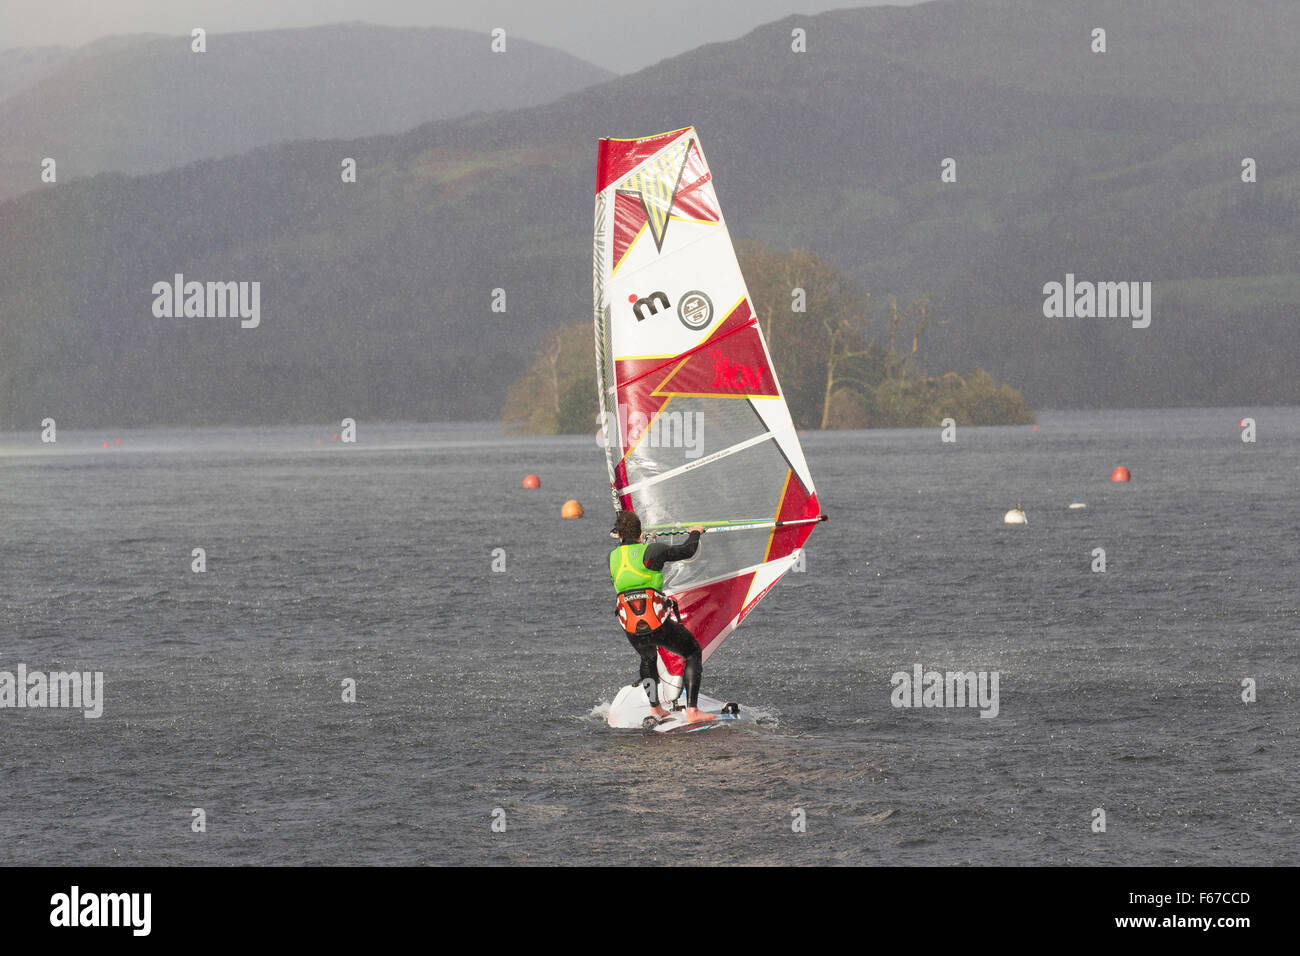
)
(1076, 504)
(571, 509)
(1015, 516)
(532, 481)
(1035, 428)
(1120, 474)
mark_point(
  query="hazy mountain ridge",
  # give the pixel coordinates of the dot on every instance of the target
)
(148, 104)
(23, 67)
(20, 67)
(376, 296)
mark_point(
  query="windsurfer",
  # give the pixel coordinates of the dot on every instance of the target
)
(647, 614)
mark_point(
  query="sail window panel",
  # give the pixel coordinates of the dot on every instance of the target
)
(721, 554)
(743, 486)
(689, 428)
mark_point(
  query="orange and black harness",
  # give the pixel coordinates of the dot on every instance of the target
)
(645, 610)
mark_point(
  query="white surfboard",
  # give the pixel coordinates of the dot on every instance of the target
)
(631, 710)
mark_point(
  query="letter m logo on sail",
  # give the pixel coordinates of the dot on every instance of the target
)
(650, 304)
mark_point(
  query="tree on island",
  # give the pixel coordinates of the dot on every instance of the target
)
(557, 396)
(816, 324)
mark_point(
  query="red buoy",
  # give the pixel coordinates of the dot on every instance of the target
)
(1120, 474)
(532, 481)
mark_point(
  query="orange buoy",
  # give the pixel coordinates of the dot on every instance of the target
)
(571, 509)
(532, 481)
(1120, 474)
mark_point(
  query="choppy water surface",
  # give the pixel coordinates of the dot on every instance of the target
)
(480, 690)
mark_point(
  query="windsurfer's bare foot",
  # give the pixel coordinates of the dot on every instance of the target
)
(694, 715)
(658, 711)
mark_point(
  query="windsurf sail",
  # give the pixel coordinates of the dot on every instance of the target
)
(695, 426)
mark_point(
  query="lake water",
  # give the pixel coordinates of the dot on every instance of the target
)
(480, 693)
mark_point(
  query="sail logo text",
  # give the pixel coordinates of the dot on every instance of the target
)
(36, 689)
(649, 305)
(1098, 300)
(694, 309)
(742, 377)
(209, 300)
(924, 688)
(133, 910)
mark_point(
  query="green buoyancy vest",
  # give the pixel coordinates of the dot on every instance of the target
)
(627, 568)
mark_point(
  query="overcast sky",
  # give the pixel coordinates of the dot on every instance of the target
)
(617, 34)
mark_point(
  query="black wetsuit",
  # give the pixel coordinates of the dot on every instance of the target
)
(671, 635)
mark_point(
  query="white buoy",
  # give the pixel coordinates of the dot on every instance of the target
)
(1076, 504)
(1015, 516)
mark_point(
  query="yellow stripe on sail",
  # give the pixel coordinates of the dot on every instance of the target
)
(638, 139)
(655, 184)
(646, 431)
(628, 251)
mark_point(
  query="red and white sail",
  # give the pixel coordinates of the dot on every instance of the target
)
(696, 427)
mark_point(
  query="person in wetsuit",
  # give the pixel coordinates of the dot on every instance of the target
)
(646, 612)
